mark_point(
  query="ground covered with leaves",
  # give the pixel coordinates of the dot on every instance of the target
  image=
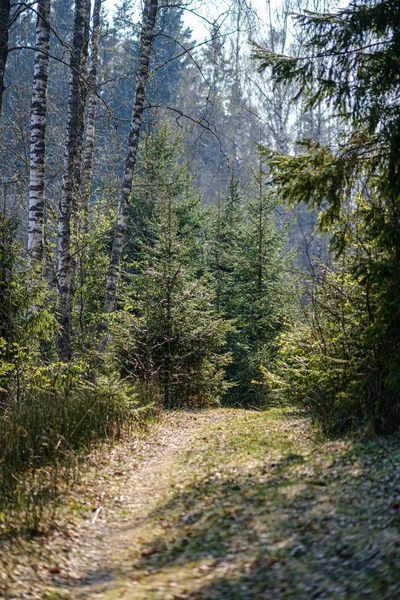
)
(222, 505)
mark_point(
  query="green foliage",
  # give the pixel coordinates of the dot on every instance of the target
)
(174, 340)
(49, 412)
(348, 60)
(26, 319)
(91, 274)
(351, 360)
(333, 361)
(254, 286)
(315, 176)
(339, 359)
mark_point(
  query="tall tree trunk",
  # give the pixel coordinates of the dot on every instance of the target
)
(64, 271)
(146, 42)
(5, 8)
(85, 175)
(38, 132)
(78, 162)
(90, 123)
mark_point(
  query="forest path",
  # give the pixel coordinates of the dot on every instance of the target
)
(229, 505)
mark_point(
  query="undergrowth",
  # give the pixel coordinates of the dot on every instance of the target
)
(45, 433)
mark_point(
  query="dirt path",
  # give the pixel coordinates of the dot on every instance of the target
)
(224, 505)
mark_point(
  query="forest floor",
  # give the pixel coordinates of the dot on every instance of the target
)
(222, 505)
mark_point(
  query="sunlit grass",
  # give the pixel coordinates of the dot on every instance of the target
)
(258, 508)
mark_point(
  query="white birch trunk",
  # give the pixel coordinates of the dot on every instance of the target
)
(90, 123)
(78, 163)
(146, 43)
(64, 270)
(38, 133)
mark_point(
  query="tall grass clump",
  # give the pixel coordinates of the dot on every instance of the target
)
(45, 430)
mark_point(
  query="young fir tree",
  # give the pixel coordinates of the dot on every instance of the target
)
(176, 339)
(253, 284)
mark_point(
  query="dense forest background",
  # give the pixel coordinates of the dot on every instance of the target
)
(185, 223)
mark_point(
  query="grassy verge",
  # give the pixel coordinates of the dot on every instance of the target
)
(44, 436)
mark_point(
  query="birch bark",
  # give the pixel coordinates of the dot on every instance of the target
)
(5, 8)
(145, 46)
(90, 123)
(83, 81)
(64, 270)
(38, 132)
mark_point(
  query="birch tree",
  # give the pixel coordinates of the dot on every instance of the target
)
(145, 46)
(5, 8)
(64, 271)
(83, 93)
(90, 123)
(38, 132)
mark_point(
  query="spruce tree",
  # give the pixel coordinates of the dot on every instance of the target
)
(176, 339)
(254, 286)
